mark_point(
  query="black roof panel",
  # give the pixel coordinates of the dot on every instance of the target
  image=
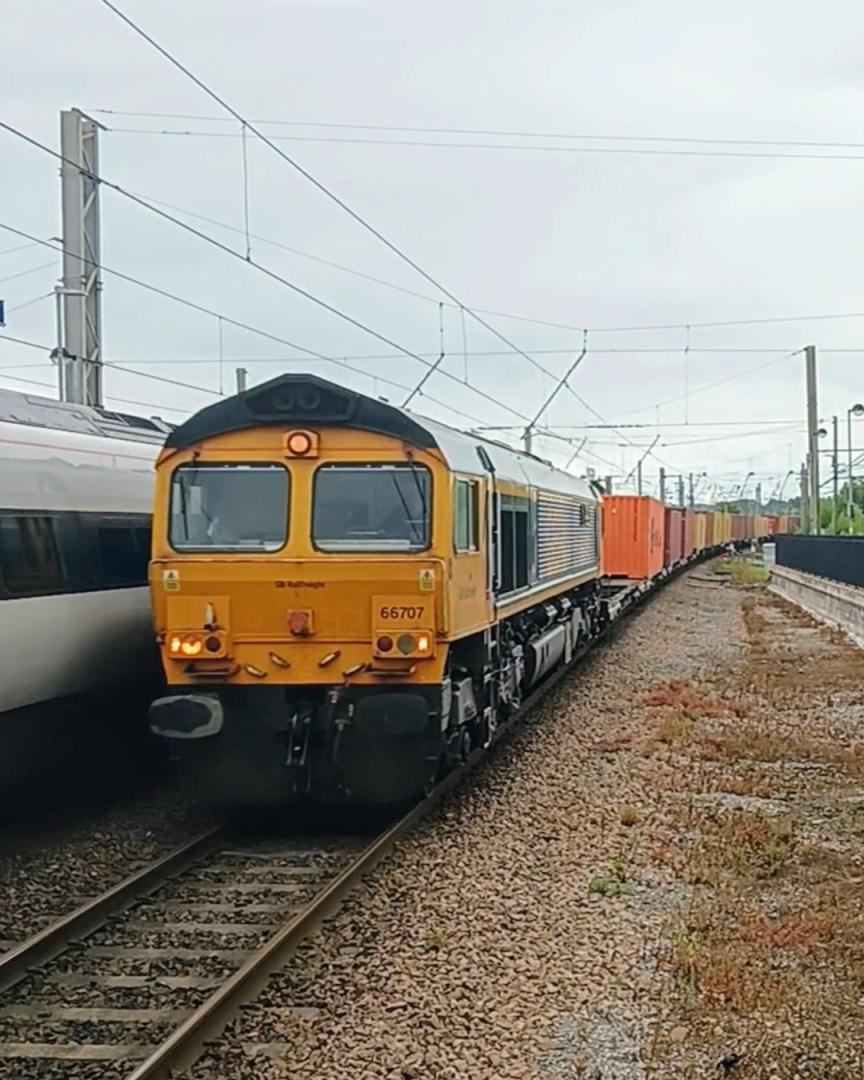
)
(289, 400)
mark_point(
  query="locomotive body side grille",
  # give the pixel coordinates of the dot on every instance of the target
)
(566, 535)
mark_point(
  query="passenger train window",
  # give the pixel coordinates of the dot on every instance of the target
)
(124, 550)
(29, 557)
(229, 507)
(465, 515)
(371, 507)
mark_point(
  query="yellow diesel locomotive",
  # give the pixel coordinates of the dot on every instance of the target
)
(349, 597)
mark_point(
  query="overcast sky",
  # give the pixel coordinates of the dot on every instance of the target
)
(585, 238)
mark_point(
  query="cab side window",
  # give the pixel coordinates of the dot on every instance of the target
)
(465, 515)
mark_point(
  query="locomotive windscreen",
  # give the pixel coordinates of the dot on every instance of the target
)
(371, 508)
(229, 507)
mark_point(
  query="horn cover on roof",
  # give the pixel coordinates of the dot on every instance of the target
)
(288, 400)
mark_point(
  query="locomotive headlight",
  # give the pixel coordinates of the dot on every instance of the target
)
(185, 645)
(191, 646)
(405, 643)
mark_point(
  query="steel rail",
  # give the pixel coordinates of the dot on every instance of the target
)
(92, 915)
(184, 1045)
(182, 1048)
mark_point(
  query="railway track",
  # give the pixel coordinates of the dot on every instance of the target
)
(133, 983)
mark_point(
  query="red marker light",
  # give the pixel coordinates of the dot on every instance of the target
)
(384, 643)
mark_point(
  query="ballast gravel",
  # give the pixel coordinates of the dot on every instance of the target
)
(51, 864)
(658, 875)
(514, 934)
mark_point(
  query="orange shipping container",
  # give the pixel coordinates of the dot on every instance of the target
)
(633, 528)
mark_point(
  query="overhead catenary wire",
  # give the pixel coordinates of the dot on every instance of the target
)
(779, 354)
(120, 275)
(489, 131)
(322, 357)
(269, 240)
(113, 7)
(131, 370)
(19, 247)
(272, 274)
(330, 194)
(109, 397)
(768, 320)
(24, 273)
(226, 319)
(544, 431)
(712, 385)
(117, 367)
(27, 303)
(651, 426)
(649, 151)
(190, 386)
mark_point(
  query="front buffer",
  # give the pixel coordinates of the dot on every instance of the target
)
(247, 746)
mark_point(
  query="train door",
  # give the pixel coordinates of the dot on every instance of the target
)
(469, 577)
(492, 529)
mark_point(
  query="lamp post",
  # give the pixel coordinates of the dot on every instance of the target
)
(783, 484)
(854, 410)
(835, 476)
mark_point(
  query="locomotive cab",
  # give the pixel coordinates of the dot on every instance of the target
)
(327, 576)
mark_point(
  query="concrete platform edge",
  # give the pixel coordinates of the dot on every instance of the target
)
(832, 602)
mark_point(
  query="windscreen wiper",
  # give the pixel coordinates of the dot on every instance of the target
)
(408, 519)
(415, 473)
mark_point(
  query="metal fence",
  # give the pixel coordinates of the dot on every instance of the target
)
(840, 558)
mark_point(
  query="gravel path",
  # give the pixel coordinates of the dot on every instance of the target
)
(517, 933)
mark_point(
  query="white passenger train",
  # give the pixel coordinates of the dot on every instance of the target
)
(76, 489)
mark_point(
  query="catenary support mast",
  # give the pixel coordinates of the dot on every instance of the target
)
(80, 351)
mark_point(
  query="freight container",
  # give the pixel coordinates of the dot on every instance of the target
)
(717, 533)
(633, 530)
(688, 545)
(709, 529)
(700, 531)
(673, 552)
(739, 527)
